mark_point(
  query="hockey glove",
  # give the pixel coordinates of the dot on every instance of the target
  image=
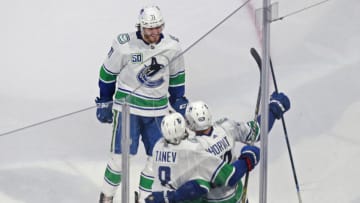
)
(190, 190)
(254, 134)
(155, 197)
(248, 159)
(251, 155)
(104, 110)
(279, 104)
(179, 104)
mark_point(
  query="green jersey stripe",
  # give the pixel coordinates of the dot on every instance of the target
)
(204, 184)
(224, 174)
(116, 120)
(135, 100)
(106, 76)
(178, 80)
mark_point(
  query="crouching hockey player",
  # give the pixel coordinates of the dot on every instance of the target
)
(184, 170)
(219, 139)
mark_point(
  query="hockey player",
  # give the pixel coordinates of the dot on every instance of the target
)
(185, 171)
(219, 138)
(141, 68)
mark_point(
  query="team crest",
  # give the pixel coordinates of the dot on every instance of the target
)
(123, 38)
(146, 74)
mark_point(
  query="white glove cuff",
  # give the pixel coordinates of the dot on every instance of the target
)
(166, 197)
(104, 105)
(279, 104)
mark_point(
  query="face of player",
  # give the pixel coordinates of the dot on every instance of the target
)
(152, 35)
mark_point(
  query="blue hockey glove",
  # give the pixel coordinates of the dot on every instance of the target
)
(104, 110)
(161, 197)
(179, 104)
(155, 197)
(190, 190)
(279, 104)
(251, 155)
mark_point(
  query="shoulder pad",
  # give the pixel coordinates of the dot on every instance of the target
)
(123, 38)
(221, 121)
(174, 38)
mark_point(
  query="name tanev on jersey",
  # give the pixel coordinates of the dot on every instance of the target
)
(165, 156)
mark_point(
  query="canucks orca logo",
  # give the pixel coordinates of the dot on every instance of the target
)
(145, 75)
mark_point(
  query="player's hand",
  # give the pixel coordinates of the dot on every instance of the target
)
(279, 104)
(155, 197)
(104, 110)
(251, 155)
(179, 104)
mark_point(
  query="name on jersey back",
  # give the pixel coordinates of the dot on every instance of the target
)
(165, 156)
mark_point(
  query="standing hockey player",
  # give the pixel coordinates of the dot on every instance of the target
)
(185, 171)
(146, 65)
(219, 138)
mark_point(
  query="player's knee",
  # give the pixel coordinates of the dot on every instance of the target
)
(148, 169)
(115, 161)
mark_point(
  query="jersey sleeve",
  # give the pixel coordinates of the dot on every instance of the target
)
(240, 131)
(177, 75)
(114, 60)
(109, 71)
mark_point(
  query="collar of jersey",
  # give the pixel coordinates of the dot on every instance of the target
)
(139, 36)
(208, 134)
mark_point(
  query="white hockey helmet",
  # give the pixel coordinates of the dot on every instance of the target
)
(173, 128)
(198, 116)
(150, 17)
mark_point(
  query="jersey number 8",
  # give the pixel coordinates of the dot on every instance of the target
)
(164, 175)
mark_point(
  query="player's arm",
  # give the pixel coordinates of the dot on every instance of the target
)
(109, 71)
(190, 190)
(231, 174)
(107, 83)
(249, 132)
(176, 89)
(245, 132)
(278, 105)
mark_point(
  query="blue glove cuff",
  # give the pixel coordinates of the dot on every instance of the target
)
(102, 100)
(179, 104)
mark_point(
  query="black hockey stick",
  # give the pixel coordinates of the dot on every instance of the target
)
(256, 55)
(258, 61)
(287, 138)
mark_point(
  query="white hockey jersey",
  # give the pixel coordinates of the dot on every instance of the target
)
(221, 142)
(144, 87)
(174, 165)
